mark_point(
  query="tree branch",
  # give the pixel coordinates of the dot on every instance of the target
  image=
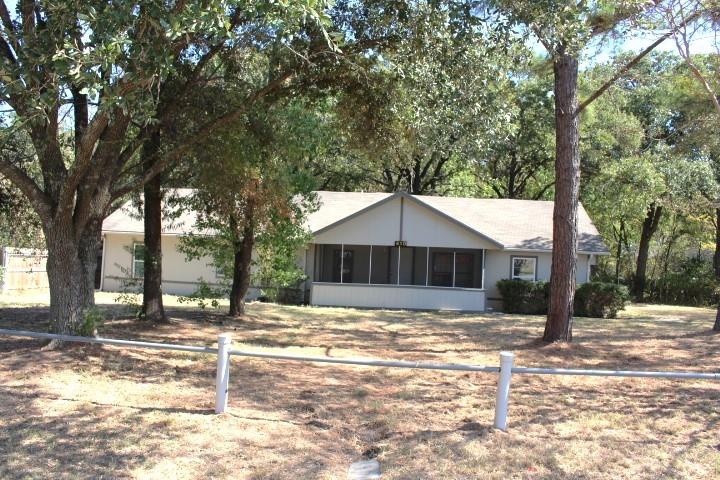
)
(632, 63)
(201, 134)
(39, 200)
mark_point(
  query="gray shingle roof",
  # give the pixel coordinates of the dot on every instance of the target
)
(513, 224)
(128, 218)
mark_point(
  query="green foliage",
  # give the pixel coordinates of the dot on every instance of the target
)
(92, 320)
(592, 299)
(423, 117)
(522, 296)
(600, 299)
(693, 284)
(129, 288)
(205, 295)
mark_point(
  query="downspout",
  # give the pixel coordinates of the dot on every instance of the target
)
(102, 262)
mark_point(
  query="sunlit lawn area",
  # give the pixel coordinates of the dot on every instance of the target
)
(109, 412)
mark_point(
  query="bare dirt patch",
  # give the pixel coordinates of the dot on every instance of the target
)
(107, 412)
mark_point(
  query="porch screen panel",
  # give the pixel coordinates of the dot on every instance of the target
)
(441, 267)
(468, 268)
(419, 265)
(327, 263)
(359, 271)
(381, 268)
(406, 265)
(465, 265)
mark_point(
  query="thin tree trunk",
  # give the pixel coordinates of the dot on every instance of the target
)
(152, 309)
(650, 226)
(618, 254)
(242, 262)
(716, 256)
(716, 263)
(558, 326)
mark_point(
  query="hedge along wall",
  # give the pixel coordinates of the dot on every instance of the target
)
(593, 299)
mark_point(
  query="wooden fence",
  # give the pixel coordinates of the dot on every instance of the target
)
(23, 269)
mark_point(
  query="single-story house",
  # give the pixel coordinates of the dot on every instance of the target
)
(386, 250)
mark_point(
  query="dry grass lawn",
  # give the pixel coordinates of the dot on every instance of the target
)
(107, 412)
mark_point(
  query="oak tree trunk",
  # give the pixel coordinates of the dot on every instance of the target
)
(152, 308)
(241, 264)
(558, 326)
(650, 226)
(71, 276)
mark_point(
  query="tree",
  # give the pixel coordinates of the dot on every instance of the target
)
(517, 162)
(677, 13)
(426, 115)
(105, 60)
(19, 225)
(251, 188)
(564, 28)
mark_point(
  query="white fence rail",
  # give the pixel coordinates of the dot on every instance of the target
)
(224, 352)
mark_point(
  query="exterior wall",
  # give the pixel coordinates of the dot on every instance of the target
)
(497, 267)
(180, 277)
(397, 296)
(420, 227)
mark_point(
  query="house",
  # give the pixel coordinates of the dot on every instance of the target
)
(388, 250)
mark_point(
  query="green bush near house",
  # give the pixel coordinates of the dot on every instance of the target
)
(594, 299)
(600, 299)
(522, 296)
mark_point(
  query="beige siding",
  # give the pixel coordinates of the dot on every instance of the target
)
(397, 296)
(497, 267)
(180, 277)
(421, 227)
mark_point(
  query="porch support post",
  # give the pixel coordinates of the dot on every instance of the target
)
(342, 261)
(398, 270)
(453, 284)
(370, 267)
(427, 267)
(482, 279)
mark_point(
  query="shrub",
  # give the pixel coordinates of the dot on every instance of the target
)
(694, 284)
(91, 322)
(594, 299)
(600, 299)
(205, 295)
(521, 296)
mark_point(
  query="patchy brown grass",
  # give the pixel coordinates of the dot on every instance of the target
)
(108, 412)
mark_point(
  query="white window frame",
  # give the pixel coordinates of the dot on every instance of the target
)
(523, 277)
(136, 261)
(218, 272)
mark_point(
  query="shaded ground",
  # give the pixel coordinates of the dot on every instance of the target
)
(109, 412)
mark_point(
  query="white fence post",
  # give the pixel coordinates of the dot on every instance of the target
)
(222, 378)
(503, 390)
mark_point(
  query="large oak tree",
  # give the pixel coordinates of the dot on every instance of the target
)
(100, 64)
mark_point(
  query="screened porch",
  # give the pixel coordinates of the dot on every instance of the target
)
(383, 265)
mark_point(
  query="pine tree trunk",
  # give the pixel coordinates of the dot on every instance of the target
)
(242, 263)
(716, 263)
(152, 308)
(716, 256)
(558, 326)
(650, 226)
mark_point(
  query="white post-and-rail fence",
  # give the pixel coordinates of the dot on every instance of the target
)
(224, 352)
